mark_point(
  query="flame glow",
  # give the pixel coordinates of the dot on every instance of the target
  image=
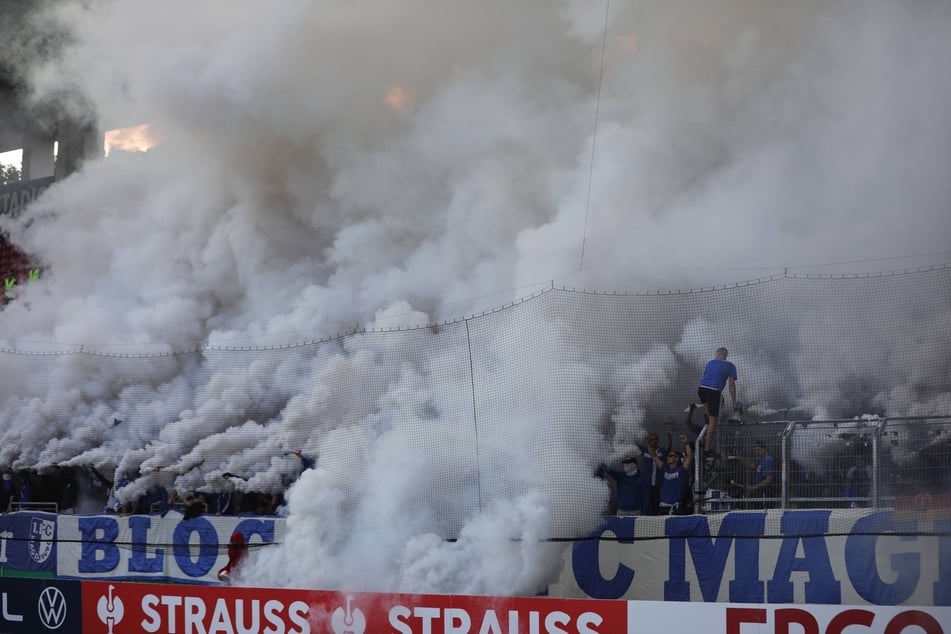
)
(399, 98)
(138, 138)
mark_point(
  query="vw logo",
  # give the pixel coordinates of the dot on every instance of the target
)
(52, 608)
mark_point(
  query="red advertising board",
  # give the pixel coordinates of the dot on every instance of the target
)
(125, 608)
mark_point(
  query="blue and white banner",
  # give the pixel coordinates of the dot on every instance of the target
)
(28, 541)
(840, 557)
(158, 549)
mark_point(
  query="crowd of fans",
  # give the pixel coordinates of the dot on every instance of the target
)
(86, 490)
(653, 480)
(747, 473)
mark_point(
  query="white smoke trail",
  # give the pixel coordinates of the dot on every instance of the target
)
(288, 200)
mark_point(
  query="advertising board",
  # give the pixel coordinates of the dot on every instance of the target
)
(115, 608)
(36, 606)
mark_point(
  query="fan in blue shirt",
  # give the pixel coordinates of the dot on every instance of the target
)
(718, 374)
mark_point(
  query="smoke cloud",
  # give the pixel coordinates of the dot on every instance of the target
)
(333, 167)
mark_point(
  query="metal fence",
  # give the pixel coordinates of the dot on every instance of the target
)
(877, 463)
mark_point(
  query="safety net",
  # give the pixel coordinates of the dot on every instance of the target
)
(845, 380)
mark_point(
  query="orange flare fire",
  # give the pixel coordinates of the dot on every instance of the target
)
(399, 98)
(138, 138)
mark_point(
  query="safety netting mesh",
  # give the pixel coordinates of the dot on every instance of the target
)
(516, 405)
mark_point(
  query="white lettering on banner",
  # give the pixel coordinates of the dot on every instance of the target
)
(419, 619)
(7, 616)
(4, 536)
(226, 617)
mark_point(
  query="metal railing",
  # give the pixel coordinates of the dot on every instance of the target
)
(825, 464)
(47, 507)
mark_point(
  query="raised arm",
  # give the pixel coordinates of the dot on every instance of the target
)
(746, 462)
(657, 460)
(688, 451)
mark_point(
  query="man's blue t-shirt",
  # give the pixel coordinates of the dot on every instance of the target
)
(716, 374)
(672, 487)
(764, 468)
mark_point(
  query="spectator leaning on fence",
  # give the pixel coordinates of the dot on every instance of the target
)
(764, 474)
(859, 479)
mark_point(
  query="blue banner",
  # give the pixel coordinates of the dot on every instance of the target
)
(838, 557)
(144, 547)
(28, 541)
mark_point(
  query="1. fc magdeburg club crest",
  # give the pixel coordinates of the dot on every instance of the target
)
(41, 539)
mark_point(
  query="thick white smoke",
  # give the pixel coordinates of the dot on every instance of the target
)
(337, 165)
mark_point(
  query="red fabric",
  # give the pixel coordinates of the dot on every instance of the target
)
(236, 552)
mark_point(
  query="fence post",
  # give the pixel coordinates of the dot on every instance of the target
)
(876, 464)
(475, 415)
(784, 467)
(699, 465)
